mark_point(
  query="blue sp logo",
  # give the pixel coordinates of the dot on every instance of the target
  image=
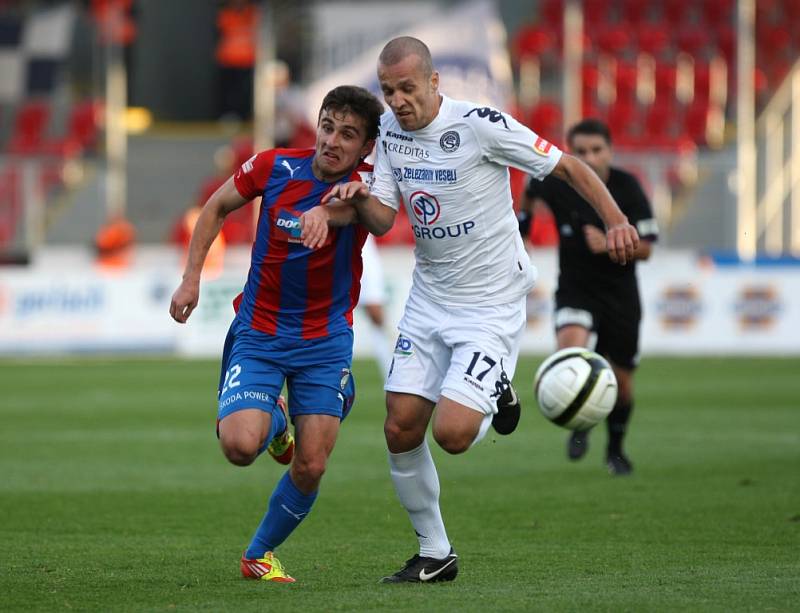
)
(425, 207)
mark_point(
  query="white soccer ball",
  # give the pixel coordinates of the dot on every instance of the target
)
(575, 388)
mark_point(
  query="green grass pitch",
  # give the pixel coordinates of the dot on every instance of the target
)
(115, 497)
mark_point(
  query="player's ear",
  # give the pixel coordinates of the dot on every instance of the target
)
(367, 148)
(435, 80)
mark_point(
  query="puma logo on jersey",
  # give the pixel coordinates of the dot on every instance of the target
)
(288, 166)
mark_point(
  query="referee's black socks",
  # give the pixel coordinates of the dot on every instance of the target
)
(617, 423)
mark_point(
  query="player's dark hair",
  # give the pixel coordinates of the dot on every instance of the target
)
(359, 102)
(398, 49)
(589, 127)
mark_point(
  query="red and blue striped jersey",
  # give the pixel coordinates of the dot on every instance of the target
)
(291, 290)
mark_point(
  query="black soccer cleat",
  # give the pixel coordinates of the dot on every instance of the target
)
(426, 570)
(577, 444)
(508, 407)
(619, 465)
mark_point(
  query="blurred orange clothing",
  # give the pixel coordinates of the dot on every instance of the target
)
(237, 44)
(114, 243)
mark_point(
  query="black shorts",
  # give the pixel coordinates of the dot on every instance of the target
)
(614, 315)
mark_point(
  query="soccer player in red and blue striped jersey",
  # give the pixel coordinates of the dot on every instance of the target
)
(294, 319)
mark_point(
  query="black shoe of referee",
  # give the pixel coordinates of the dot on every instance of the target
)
(618, 464)
(577, 444)
(508, 407)
(426, 570)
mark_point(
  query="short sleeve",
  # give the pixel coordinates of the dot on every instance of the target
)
(384, 185)
(252, 176)
(639, 212)
(506, 141)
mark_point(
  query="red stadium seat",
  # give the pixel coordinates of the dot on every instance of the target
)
(551, 13)
(696, 120)
(702, 81)
(82, 131)
(677, 12)
(623, 120)
(590, 77)
(726, 43)
(28, 129)
(534, 41)
(666, 75)
(791, 10)
(773, 42)
(653, 39)
(660, 121)
(717, 12)
(596, 12)
(625, 80)
(613, 40)
(693, 40)
(545, 118)
(635, 12)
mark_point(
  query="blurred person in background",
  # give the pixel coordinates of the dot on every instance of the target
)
(447, 161)
(595, 295)
(373, 303)
(237, 25)
(294, 319)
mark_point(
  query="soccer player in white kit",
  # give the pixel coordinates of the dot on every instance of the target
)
(447, 161)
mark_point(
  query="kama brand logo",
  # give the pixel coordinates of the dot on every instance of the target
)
(286, 164)
(757, 307)
(391, 134)
(290, 224)
(490, 114)
(679, 307)
(426, 207)
(541, 146)
(403, 346)
(450, 141)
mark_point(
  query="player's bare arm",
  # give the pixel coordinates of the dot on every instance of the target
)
(315, 223)
(596, 241)
(372, 213)
(225, 200)
(622, 240)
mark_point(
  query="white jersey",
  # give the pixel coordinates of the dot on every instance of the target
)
(453, 177)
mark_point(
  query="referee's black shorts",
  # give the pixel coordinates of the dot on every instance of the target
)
(612, 314)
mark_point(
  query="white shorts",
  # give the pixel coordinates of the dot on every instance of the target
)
(456, 352)
(373, 290)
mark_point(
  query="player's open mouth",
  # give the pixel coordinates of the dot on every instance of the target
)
(331, 156)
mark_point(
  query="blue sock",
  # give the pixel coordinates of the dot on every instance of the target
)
(288, 506)
(277, 425)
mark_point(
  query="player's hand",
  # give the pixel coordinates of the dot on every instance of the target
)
(595, 239)
(354, 190)
(314, 227)
(184, 300)
(622, 240)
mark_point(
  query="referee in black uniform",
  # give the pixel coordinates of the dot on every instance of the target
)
(594, 294)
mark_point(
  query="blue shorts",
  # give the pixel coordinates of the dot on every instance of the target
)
(316, 371)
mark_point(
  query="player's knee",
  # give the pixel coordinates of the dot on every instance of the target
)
(307, 472)
(452, 441)
(402, 435)
(241, 451)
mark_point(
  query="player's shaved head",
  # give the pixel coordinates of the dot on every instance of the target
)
(398, 49)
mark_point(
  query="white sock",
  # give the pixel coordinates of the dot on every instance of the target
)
(487, 421)
(417, 485)
(381, 349)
